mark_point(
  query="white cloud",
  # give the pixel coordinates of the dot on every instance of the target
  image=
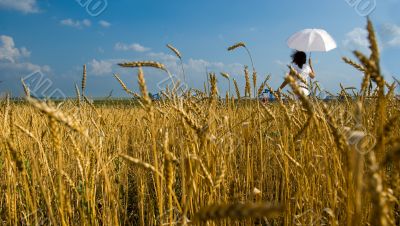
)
(86, 22)
(194, 66)
(389, 36)
(23, 67)
(134, 47)
(101, 67)
(25, 6)
(8, 51)
(76, 23)
(100, 50)
(356, 38)
(69, 22)
(253, 29)
(104, 23)
(25, 52)
(392, 31)
(200, 65)
(13, 59)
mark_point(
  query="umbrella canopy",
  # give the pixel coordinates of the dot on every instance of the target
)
(310, 40)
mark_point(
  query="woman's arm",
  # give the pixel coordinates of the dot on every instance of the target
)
(312, 73)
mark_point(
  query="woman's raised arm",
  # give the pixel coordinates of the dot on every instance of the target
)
(312, 73)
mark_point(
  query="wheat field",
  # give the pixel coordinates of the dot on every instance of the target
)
(205, 160)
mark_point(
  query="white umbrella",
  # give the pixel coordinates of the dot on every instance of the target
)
(310, 40)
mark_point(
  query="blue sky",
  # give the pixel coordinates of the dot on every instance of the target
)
(56, 38)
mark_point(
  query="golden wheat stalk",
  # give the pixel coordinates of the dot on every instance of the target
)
(372, 69)
(78, 94)
(222, 174)
(391, 89)
(238, 211)
(191, 121)
(254, 82)
(175, 50)
(58, 115)
(247, 88)
(143, 87)
(124, 87)
(90, 102)
(195, 107)
(205, 171)
(225, 75)
(179, 55)
(243, 45)
(373, 43)
(84, 75)
(237, 89)
(237, 45)
(269, 112)
(354, 64)
(30, 134)
(337, 134)
(140, 163)
(303, 128)
(380, 208)
(364, 84)
(261, 88)
(70, 182)
(366, 62)
(296, 89)
(26, 88)
(169, 155)
(16, 156)
(214, 88)
(138, 64)
(169, 174)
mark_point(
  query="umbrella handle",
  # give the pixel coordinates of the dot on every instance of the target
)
(309, 59)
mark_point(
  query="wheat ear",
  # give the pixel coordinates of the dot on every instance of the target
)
(139, 163)
(84, 75)
(139, 64)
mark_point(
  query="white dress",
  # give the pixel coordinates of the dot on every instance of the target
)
(305, 74)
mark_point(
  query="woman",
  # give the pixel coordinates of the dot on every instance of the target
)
(299, 60)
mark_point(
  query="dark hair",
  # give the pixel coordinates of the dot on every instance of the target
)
(299, 58)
